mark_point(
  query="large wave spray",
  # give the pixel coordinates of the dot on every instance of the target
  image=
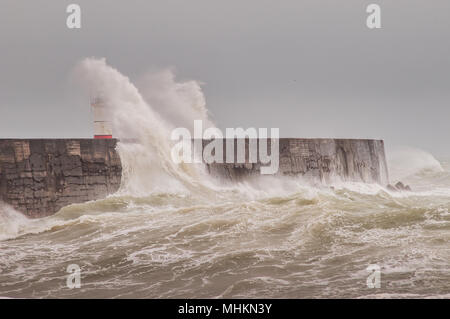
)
(148, 120)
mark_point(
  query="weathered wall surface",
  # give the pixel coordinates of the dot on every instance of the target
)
(40, 176)
(325, 160)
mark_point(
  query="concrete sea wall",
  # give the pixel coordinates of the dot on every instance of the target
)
(40, 176)
(324, 160)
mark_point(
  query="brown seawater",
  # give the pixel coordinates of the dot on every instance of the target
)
(241, 241)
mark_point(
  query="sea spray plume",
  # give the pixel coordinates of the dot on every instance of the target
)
(146, 164)
(11, 222)
(179, 103)
(14, 224)
(126, 107)
(406, 162)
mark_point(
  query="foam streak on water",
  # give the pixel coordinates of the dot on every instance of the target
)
(171, 231)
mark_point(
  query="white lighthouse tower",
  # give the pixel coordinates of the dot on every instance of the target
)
(102, 122)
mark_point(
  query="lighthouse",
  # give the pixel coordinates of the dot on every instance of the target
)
(102, 122)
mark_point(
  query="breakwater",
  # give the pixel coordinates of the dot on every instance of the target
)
(40, 176)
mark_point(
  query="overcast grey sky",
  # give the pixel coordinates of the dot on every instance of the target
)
(310, 67)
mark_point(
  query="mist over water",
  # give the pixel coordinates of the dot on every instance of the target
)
(172, 231)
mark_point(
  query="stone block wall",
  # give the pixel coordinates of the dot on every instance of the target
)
(324, 160)
(40, 176)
